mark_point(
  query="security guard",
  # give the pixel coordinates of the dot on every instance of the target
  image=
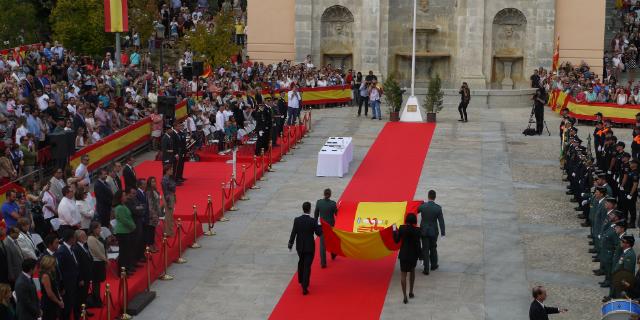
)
(181, 142)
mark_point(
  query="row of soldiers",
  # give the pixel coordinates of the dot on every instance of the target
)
(270, 119)
(173, 146)
(605, 188)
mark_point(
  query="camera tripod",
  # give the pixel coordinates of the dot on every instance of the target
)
(533, 120)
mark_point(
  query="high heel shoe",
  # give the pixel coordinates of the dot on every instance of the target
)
(405, 300)
(411, 295)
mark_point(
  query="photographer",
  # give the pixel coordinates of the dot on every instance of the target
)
(539, 100)
(465, 97)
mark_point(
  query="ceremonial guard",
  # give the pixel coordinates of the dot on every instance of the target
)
(282, 111)
(608, 243)
(262, 117)
(182, 152)
(273, 114)
(626, 262)
(635, 143)
(167, 146)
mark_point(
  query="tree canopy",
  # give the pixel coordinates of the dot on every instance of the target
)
(213, 44)
(19, 23)
(79, 25)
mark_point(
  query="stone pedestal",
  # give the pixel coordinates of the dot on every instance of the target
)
(507, 82)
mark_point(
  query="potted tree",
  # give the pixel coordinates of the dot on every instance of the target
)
(433, 100)
(393, 97)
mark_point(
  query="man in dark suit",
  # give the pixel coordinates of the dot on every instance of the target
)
(304, 227)
(538, 311)
(143, 219)
(4, 258)
(430, 218)
(28, 305)
(70, 272)
(104, 196)
(85, 262)
(129, 174)
(327, 210)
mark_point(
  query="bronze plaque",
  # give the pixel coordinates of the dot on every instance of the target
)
(412, 108)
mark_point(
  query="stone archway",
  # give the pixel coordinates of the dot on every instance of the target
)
(508, 38)
(336, 44)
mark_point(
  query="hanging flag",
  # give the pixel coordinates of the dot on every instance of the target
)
(207, 71)
(372, 236)
(556, 55)
(116, 17)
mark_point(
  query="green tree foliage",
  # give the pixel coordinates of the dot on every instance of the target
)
(142, 14)
(435, 95)
(19, 23)
(214, 44)
(392, 93)
(79, 25)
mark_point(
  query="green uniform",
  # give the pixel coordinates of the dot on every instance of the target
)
(627, 261)
(594, 207)
(609, 242)
(601, 219)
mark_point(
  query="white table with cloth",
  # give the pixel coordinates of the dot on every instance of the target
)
(334, 157)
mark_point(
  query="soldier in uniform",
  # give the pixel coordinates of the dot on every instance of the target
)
(626, 262)
(599, 222)
(282, 111)
(167, 146)
(608, 242)
(263, 125)
(327, 210)
(182, 152)
(628, 189)
(273, 113)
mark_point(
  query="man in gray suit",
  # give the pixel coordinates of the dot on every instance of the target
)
(28, 305)
(430, 218)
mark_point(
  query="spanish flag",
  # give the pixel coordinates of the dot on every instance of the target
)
(372, 236)
(556, 55)
(207, 71)
(116, 17)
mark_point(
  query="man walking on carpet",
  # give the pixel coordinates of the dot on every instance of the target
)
(430, 218)
(304, 227)
(327, 210)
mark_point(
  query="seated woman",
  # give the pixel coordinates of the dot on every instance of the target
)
(231, 132)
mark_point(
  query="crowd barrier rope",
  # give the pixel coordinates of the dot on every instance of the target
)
(623, 114)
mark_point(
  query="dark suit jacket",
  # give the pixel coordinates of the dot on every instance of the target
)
(4, 265)
(28, 306)
(104, 197)
(431, 217)
(130, 180)
(85, 262)
(78, 122)
(537, 312)
(304, 227)
(410, 247)
(69, 269)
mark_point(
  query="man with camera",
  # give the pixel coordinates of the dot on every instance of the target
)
(539, 100)
(465, 97)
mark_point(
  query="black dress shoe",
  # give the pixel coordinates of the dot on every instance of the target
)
(581, 216)
(606, 299)
(599, 273)
(589, 236)
(461, 120)
(596, 270)
(434, 267)
(592, 251)
(605, 285)
(568, 192)
(405, 298)
(590, 243)
(595, 260)
(573, 200)
(577, 209)
(585, 224)
(411, 295)
(425, 272)
(305, 292)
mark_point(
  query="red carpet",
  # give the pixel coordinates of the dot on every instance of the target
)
(351, 289)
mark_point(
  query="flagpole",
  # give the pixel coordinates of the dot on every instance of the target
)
(117, 53)
(411, 111)
(413, 50)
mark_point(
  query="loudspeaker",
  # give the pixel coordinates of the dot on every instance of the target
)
(197, 68)
(187, 72)
(167, 106)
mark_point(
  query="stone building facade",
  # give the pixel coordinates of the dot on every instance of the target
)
(491, 44)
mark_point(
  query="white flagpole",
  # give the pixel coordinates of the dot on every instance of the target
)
(413, 50)
(411, 111)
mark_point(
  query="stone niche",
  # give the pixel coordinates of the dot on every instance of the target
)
(336, 45)
(509, 33)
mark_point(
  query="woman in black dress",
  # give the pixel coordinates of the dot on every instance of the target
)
(410, 252)
(51, 301)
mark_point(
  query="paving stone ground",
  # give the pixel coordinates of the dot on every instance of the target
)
(509, 227)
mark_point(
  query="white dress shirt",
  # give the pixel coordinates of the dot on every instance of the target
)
(86, 213)
(294, 99)
(82, 172)
(68, 213)
(220, 120)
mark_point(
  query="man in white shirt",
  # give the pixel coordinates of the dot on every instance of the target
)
(294, 104)
(42, 99)
(82, 172)
(221, 119)
(56, 184)
(68, 213)
(50, 204)
(71, 107)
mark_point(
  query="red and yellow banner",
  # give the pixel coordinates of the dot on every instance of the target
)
(559, 100)
(372, 236)
(181, 110)
(320, 95)
(556, 55)
(116, 17)
(7, 187)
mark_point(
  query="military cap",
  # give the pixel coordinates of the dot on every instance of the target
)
(621, 223)
(612, 200)
(629, 238)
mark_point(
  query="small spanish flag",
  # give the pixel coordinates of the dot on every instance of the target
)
(116, 17)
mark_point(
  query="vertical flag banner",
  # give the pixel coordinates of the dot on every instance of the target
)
(375, 216)
(556, 55)
(116, 16)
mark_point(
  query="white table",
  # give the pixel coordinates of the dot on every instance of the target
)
(334, 157)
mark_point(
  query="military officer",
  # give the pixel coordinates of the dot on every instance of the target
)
(327, 210)
(599, 221)
(626, 262)
(282, 112)
(182, 152)
(608, 242)
(263, 125)
(167, 146)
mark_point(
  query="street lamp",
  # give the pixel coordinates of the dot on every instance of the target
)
(159, 27)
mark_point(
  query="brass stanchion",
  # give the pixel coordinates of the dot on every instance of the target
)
(282, 144)
(107, 299)
(180, 260)
(299, 131)
(147, 254)
(269, 168)
(223, 218)
(295, 136)
(262, 177)
(307, 123)
(232, 189)
(287, 135)
(195, 244)
(244, 197)
(83, 312)
(255, 168)
(165, 276)
(209, 213)
(123, 279)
